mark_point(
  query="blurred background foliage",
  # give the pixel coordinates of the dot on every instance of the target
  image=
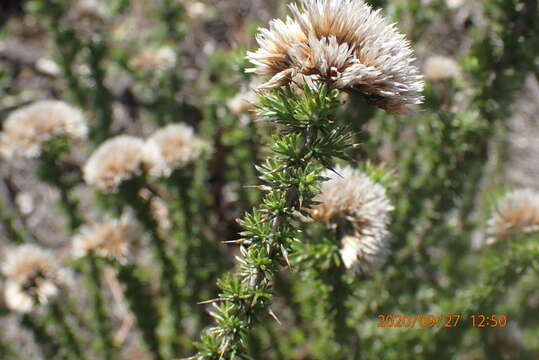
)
(444, 166)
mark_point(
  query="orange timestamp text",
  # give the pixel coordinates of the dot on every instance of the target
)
(443, 320)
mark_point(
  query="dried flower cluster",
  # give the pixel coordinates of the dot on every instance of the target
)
(361, 208)
(116, 160)
(170, 148)
(345, 43)
(26, 129)
(440, 68)
(155, 59)
(516, 213)
(33, 276)
(110, 239)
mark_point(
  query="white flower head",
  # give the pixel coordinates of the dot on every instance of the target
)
(345, 43)
(440, 68)
(171, 147)
(350, 197)
(111, 239)
(116, 160)
(26, 129)
(33, 276)
(516, 213)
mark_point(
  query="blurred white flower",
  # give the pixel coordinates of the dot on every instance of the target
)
(345, 43)
(242, 103)
(440, 68)
(197, 10)
(453, 4)
(87, 16)
(33, 276)
(25, 203)
(26, 129)
(516, 213)
(155, 59)
(350, 199)
(116, 160)
(161, 214)
(159, 210)
(110, 239)
(170, 148)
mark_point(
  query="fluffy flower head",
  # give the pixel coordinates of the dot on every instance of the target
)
(352, 200)
(516, 213)
(108, 239)
(345, 43)
(33, 276)
(170, 148)
(26, 129)
(116, 160)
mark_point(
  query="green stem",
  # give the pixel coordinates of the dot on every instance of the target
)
(69, 337)
(48, 344)
(168, 268)
(102, 98)
(69, 207)
(338, 303)
(292, 178)
(482, 296)
(8, 353)
(68, 47)
(51, 172)
(141, 302)
(13, 233)
(104, 340)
